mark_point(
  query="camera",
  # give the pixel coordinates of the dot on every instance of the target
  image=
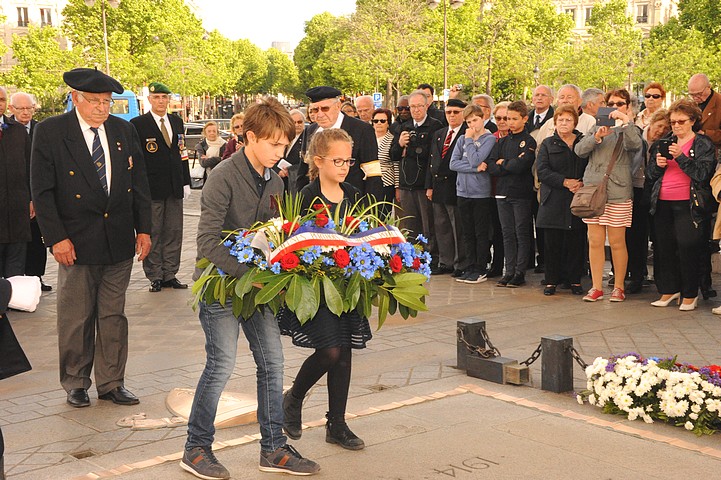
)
(412, 138)
(458, 86)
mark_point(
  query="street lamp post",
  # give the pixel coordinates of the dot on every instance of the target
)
(629, 68)
(433, 4)
(113, 4)
(536, 74)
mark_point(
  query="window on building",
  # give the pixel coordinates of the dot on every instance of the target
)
(46, 19)
(571, 12)
(642, 13)
(22, 16)
(587, 15)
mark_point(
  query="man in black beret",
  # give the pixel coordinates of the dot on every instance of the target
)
(441, 191)
(162, 136)
(92, 200)
(365, 175)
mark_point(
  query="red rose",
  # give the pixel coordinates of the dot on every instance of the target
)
(416, 263)
(289, 261)
(319, 206)
(289, 227)
(321, 220)
(341, 257)
(396, 264)
(351, 222)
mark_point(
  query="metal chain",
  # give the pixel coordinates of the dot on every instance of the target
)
(577, 357)
(483, 352)
(487, 339)
(534, 356)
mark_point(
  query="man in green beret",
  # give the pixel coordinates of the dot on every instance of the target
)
(162, 137)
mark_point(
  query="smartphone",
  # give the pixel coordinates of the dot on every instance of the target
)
(663, 145)
(602, 118)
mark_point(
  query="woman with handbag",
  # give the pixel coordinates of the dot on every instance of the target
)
(678, 177)
(20, 293)
(610, 151)
(560, 172)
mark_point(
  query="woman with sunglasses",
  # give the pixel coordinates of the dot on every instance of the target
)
(330, 335)
(654, 95)
(236, 135)
(389, 170)
(499, 115)
(678, 177)
(599, 146)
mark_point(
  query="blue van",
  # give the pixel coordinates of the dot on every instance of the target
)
(125, 105)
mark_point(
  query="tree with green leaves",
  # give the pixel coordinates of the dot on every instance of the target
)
(282, 76)
(311, 56)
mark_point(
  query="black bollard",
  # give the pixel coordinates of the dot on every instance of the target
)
(556, 364)
(471, 329)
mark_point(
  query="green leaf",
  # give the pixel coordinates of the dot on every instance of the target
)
(271, 289)
(245, 283)
(404, 311)
(333, 300)
(202, 263)
(223, 293)
(308, 307)
(237, 305)
(249, 306)
(417, 290)
(409, 300)
(408, 279)
(352, 292)
(392, 305)
(383, 302)
(294, 293)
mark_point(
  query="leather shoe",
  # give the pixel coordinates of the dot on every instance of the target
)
(174, 283)
(120, 396)
(44, 287)
(441, 270)
(78, 397)
(156, 286)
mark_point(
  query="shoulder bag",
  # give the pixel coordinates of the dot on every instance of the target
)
(590, 200)
(13, 361)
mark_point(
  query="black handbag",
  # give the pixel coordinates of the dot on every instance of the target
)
(13, 360)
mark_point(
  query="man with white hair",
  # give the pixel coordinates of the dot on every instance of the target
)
(591, 100)
(364, 107)
(700, 91)
(567, 95)
(486, 103)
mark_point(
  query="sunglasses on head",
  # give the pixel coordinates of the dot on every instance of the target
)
(403, 109)
(653, 95)
(616, 104)
(324, 109)
(379, 120)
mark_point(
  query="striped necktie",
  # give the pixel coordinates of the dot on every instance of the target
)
(99, 159)
(447, 143)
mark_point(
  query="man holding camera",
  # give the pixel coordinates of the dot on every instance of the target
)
(411, 147)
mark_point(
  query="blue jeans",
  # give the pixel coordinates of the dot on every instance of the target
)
(221, 344)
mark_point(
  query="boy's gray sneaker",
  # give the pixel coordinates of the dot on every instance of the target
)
(201, 462)
(286, 459)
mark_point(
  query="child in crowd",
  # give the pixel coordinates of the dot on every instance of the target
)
(511, 161)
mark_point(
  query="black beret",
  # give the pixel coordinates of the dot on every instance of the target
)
(454, 102)
(316, 94)
(91, 80)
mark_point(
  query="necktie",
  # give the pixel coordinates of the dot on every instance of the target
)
(538, 122)
(447, 143)
(164, 131)
(99, 159)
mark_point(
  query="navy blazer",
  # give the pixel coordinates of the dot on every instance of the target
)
(167, 171)
(439, 175)
(69, 199)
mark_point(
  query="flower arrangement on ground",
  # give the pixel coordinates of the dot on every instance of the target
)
(355, 259)
(656, 389)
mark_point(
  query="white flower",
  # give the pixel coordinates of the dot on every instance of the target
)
(647, 419)
(695, 408)
(592, 399)
(693, 416)
(579, 399)
(688, 426)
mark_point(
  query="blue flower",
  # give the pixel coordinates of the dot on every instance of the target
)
(275, 268)
(421, 238)
(246, 255)
(261, 263)
(228, 243)
(330, 225)
(363, 226)
(220, 272)
(309, 223)
(328, 261)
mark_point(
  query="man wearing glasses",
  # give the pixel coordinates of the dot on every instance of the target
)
(699, 89)
(92, 201)
(365, 174)
(161, 136)
(403, 114)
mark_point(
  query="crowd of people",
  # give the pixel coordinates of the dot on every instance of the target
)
(490, 185)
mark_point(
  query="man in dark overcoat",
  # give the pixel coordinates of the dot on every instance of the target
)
(162, 137)
(92, 201)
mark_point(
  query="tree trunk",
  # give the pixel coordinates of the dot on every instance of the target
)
(488, 76)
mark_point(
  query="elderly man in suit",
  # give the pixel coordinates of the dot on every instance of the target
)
(162, 135)
(365, 175)
(92, 201)
(16, 207)
(441, 191)
(699, 89)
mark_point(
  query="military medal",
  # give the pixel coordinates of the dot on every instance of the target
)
(130, 162)
(522, 144)
(151, 145)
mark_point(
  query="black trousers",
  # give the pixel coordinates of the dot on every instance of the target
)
(637, 238)
(36, 257)
(565, 252)
(476, 220)
(679, 247)
(496, 239)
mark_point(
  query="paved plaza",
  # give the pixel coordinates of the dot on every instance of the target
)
(420, 417)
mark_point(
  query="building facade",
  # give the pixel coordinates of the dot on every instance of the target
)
(646, 13)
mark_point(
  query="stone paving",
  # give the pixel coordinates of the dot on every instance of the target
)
(45, 438)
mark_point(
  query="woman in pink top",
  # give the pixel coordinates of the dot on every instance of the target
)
(678, 178)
